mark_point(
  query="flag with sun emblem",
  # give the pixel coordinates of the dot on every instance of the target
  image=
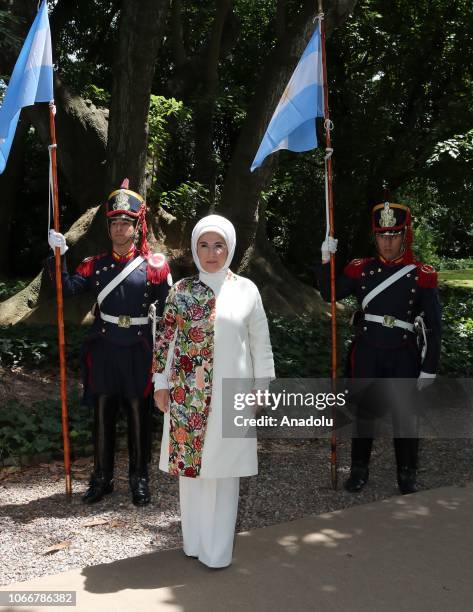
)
(292, 125)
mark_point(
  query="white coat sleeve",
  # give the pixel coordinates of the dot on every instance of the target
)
(260, 345)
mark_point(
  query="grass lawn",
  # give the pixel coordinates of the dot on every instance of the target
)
(457, 278)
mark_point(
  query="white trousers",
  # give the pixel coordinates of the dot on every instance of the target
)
(208, 516)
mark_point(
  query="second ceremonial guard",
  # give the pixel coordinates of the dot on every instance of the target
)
(130, 286)
(398, 306)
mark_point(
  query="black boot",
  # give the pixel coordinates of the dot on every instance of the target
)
(101, 480)
(360, 459)
(139, 438)
(140, 494)
(99, 485)
(406, 450)
(359, 475)
(406, 479)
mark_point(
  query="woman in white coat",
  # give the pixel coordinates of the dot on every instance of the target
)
(214, 327)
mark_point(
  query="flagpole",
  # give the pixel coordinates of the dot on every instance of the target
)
(60, 305)
(329, 195)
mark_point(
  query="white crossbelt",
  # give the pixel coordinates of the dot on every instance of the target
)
(389, 321)
(127, 270)
(385, 284)
(124, 320)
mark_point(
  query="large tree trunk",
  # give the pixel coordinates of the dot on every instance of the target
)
(205, 166)
(81, 132)
(141, 33)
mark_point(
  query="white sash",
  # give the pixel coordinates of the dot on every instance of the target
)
(128, 269)
(386, 283)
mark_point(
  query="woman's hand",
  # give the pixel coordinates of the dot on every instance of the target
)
(161, 399)
(260, 404)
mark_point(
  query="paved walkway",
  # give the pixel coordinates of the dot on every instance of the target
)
(405, 553)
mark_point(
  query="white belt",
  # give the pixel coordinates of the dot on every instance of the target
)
(389, 321)
(124, 320)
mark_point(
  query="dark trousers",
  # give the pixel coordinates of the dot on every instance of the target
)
(405, 450)
(385, 387)
(106, 408)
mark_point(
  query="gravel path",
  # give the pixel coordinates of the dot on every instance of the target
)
(294, 482)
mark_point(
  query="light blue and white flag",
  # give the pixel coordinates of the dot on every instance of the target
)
(31, 81)
(292, 125)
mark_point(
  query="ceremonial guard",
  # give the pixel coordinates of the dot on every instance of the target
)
(131, 286)
(398, 330)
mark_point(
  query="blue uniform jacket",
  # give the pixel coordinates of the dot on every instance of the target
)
(149, 283)
(414, 294)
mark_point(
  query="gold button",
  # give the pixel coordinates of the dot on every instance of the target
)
(97, 272)
(416, 278)
(365, 328)
(97, 283)
(112, 265)
(363, 274)
(379, 269)
(105, 268)
(413, 290)
(148, 283)
(371, 271)
(408, 275)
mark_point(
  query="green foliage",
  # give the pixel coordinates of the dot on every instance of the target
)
(400, 89)
(33, 346)
(31, 430)
(448, 263)
(161, 109)
(97, 95)
(296, 211)
(458, 147)
(169, 125)
(302, 345)
(86, 46)
(425, 244)
(184, 201)
(457, 341)
(9, 287)
(7, 38)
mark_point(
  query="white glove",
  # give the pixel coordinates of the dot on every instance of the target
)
(425, 380)
(329, 245)
(55, 239)
(160, 381)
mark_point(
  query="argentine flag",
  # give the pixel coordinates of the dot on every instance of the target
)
(292, 125)
(31, 81)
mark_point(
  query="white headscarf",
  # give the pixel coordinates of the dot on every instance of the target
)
(223, 227)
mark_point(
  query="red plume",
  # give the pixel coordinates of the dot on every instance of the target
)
(125, 184)
(144, 247)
